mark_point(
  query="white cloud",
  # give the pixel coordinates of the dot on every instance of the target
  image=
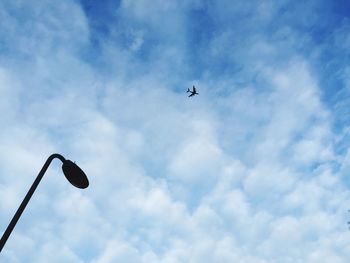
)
(243, 172)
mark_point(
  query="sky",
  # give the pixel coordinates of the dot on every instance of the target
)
(254, 169)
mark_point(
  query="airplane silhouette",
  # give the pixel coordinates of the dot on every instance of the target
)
(193, 91)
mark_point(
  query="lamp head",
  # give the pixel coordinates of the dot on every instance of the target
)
(74, 174)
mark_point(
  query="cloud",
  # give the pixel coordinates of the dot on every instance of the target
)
(249, 171)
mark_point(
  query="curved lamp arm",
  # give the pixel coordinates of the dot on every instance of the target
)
(72, 172)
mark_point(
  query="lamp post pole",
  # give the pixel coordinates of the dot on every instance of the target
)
(70, 167)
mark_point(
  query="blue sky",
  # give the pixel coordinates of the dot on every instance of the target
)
(254, 169)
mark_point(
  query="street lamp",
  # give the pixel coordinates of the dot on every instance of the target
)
(72, 172)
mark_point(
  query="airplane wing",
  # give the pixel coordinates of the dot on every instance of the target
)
(191, 95)
(194, 89)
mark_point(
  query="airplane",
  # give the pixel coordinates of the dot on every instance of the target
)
(193, 91)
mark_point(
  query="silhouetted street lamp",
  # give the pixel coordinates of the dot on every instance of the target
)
(74, 175)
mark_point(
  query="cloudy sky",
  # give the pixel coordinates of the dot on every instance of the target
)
(255, 169)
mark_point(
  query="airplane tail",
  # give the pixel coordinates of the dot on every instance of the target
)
(188, 90)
